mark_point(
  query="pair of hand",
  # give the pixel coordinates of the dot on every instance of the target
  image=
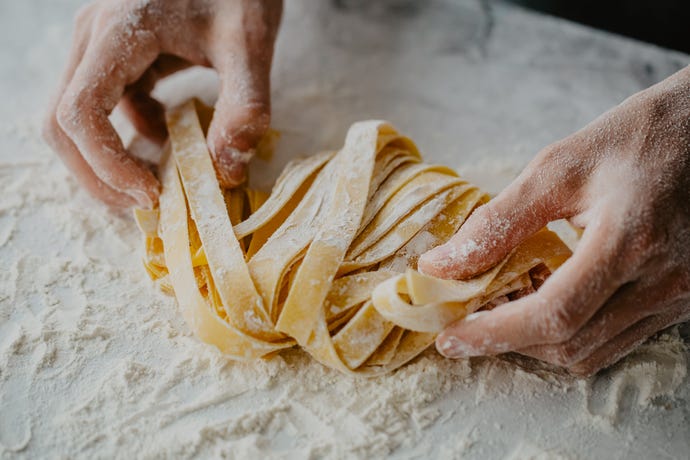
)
(624, 178)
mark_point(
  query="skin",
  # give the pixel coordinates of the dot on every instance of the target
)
(624, 179)
(121, 48)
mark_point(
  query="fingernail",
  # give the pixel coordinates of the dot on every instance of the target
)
(475, 315)
(231, 165)
(452, 347)
(141, 198)
(433, 259)
(437, 252)
(234, 155)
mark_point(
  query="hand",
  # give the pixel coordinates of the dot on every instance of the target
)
(122, 47)
(625, 179)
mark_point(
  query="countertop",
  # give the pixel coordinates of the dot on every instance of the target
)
(92, 361)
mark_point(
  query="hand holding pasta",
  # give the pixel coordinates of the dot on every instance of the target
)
(122, 48)
(625, 179)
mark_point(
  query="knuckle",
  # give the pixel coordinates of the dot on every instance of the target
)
(50, 130)
(678, 284)
(641, 241)
(82, 17)
(255, 115)
(132, 13)
(247, 126)
(74, 105)
(558, 176)
(552, 152)
(585, 369)
(67, 112)
(564, 355)
(654, 106)
(556, 157)
(559, 325)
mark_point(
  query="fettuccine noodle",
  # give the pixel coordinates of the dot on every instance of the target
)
(326, 261)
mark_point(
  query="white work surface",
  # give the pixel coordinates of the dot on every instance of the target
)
(94, 363)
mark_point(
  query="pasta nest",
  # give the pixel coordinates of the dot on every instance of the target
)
(327, 260)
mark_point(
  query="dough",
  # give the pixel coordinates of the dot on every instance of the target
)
(326, 261)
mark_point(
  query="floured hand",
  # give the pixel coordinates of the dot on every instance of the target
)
(625, 179)
(121, 48)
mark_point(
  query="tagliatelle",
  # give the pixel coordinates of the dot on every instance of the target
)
(326, 261)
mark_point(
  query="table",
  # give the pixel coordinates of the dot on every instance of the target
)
(94, 363)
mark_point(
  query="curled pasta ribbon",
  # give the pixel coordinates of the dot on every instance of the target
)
(426, 304)
(326, 261)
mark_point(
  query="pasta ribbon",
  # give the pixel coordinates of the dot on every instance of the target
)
(327, 260)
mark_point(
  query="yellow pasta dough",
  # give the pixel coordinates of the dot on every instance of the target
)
(326, 261)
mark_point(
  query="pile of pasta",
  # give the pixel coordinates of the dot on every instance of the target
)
(327, 260)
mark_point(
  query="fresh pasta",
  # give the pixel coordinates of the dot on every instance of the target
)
(327, 260)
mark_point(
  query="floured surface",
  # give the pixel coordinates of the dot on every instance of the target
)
(95, 363)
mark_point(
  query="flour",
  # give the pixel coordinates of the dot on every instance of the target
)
(95, 363)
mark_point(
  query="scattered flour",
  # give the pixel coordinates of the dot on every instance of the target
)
(95, 363)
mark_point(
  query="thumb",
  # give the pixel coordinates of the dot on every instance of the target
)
(496, 228)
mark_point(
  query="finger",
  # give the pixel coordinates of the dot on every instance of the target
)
(147, 114)
(242, 115)
(543, 192)
(621, 345)
(553, 314)
(59, 141)
(632, 303)
(110, 62)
